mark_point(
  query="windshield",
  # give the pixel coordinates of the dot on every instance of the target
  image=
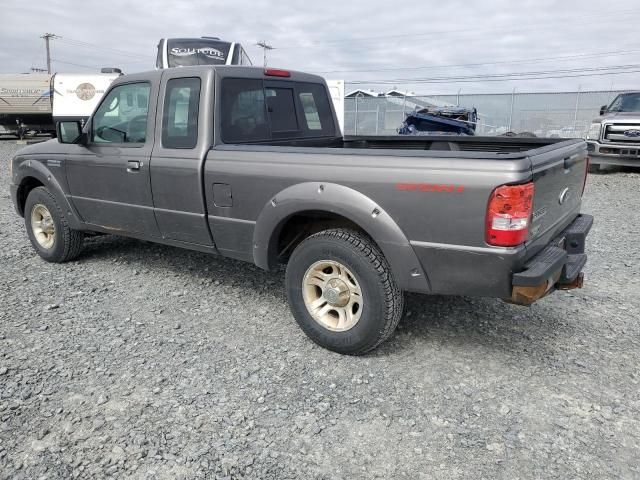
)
(626, 102)
(184, 53)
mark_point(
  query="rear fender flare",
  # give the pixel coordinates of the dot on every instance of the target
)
(350, 204)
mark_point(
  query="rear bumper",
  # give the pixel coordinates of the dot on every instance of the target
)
(558, 266)
(612, 154)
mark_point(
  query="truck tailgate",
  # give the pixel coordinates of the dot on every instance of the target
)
(559, 175)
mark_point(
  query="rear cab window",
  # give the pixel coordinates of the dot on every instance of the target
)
(254, 110)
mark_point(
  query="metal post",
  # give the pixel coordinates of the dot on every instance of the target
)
(377, 117)
(513, 95)
(358, 95)
(265, 46)
(458, 98)
(404, 104)
(575, 113)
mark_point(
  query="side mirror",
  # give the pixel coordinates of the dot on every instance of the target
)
(603, 109)
(70, 131)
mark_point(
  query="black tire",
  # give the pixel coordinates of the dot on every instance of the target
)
(382, 300)
(601, 169)
(67, 243)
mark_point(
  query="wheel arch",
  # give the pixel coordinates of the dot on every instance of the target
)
(33, 174)
(330, 202)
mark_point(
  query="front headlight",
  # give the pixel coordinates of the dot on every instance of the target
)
(594, 132)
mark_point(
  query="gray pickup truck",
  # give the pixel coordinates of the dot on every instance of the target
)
(614, 137)
(249, 163)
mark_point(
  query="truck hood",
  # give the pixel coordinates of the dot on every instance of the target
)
(48, 147)
(623, 116)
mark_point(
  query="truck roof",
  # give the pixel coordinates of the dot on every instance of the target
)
(227, 71)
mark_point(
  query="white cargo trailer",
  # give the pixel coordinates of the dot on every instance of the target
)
(75, 95)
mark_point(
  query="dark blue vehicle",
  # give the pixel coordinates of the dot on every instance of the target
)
(440, 121)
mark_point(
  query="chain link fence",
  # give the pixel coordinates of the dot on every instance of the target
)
(562, 114)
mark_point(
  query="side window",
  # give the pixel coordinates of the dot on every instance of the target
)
(311, 115)
(180, 114)
(282, 110)
(122, 115)
(243, 111)
(318, 118)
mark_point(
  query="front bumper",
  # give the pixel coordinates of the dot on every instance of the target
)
(613, 154)
(558, 266)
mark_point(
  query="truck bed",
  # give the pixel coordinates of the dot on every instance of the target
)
(439, 143)
(451, 143)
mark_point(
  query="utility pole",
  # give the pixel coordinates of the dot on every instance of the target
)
(264, 46)
(47, 37)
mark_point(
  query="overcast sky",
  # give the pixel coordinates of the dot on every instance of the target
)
(370, 41)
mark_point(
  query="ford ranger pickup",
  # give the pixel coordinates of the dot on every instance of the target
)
(249, 163)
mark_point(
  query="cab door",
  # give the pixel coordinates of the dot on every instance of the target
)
(182, 141)
(109, 177)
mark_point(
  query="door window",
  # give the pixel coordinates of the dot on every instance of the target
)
(122, 116)
(180, 114)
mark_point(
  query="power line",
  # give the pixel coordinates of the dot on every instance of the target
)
(482, 64)
(101, 48)
(510, 74)
(502, 30)
(473, 79)
(92, 67)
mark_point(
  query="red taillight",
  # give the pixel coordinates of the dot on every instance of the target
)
(274, 72)
(509, 215)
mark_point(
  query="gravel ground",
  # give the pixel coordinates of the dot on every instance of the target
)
(149, 362)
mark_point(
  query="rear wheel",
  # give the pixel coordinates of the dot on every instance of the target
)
(342, 292)
(48, 230)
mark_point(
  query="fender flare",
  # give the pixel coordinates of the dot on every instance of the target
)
(38, 170)
(350, 204)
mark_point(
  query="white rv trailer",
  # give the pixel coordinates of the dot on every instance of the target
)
(25, 104)
(186, 52)
(336, 91)
(75, 95)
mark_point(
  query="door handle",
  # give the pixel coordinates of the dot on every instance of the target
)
(133, 165)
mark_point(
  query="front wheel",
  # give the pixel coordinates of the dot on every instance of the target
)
(48, 230)
(342, 292)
